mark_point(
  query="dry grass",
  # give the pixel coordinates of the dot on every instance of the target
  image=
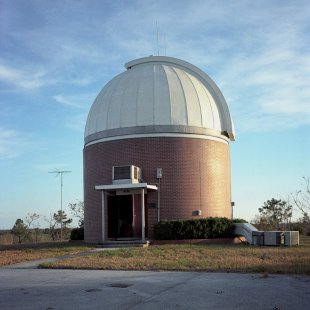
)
(12, 254)
(229, 258)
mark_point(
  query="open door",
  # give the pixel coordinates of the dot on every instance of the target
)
(120, 216)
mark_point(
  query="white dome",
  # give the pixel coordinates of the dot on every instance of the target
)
(157, 95)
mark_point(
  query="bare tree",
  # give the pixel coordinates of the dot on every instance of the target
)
(301, 200)
(30, 219)
(52, 226)
(260, 222)
(77, 210)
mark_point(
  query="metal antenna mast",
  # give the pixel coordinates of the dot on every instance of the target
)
(157, 39)
(60, 172)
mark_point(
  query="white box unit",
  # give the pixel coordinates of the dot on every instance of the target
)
(126, 174)
(287, 238)
(291, 238)
(274, 238)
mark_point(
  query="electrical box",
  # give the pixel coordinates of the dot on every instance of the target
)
(159, 173)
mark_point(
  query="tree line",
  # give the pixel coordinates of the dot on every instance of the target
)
(276, 214)
(58, 224)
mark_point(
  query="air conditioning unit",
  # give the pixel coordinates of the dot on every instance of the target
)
(274, 238)
(291, 238)
(287, 238)
(126, 174)
(257, 237)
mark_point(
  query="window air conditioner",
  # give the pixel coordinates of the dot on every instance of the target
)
(126, 174)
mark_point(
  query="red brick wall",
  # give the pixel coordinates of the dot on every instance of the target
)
(196, 176)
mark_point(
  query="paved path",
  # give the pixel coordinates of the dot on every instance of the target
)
(27, 288)
(24, 286)
(35, 263)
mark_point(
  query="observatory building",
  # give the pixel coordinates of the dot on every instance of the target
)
(156, 148)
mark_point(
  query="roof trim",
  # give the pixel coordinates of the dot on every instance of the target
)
(114, 187)
(154, 129)
(161, 135)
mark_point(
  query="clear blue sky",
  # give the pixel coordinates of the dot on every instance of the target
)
(55, 57)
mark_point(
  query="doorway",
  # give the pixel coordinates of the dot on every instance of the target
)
(120, 216)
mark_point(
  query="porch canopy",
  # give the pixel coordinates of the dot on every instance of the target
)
(125, 187)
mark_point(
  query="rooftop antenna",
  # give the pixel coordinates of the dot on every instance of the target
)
(60, 172)
(157, 39)
(165, 44)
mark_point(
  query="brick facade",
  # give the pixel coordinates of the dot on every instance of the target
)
(196, 176)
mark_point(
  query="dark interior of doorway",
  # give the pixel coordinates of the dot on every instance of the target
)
(120, 216)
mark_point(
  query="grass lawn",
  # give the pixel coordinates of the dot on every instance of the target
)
(217, 258)
(186, 257)
(12, 254)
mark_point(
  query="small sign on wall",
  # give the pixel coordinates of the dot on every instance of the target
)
(121, 192)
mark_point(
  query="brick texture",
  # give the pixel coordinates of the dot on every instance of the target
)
(196, 176)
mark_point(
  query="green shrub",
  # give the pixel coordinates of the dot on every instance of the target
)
(212, 227)
(239, 221)
(77, 234)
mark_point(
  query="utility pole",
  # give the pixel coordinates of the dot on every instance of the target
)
(60, 172)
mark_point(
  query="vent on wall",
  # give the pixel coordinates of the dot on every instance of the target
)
(126, 174)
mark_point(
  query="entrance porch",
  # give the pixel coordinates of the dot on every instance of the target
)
(123, 215)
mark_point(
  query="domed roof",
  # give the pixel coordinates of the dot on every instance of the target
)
(159, 95)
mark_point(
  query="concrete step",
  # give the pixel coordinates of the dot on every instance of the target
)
(120, 243)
